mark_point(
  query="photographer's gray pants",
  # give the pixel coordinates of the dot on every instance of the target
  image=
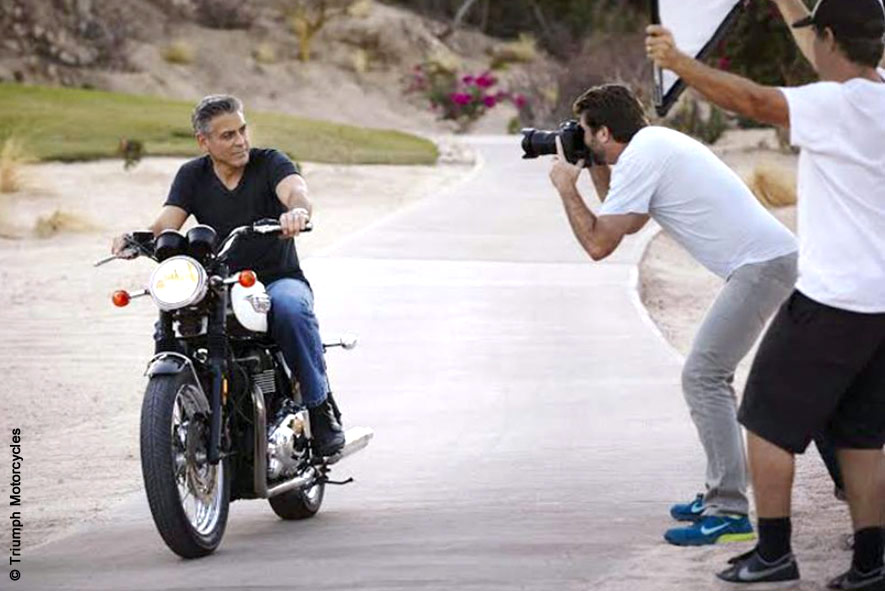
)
(732, 324)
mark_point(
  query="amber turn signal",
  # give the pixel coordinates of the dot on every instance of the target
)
(247, 278)
(121, 298)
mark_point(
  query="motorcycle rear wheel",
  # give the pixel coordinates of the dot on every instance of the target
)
(188, 497)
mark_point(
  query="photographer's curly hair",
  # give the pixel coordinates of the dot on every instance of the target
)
(614, 106)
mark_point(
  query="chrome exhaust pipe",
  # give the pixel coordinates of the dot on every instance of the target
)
(355, 439)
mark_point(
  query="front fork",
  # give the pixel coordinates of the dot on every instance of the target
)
(217, 362)
(217, 349)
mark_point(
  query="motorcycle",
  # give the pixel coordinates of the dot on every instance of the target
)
(221, 418)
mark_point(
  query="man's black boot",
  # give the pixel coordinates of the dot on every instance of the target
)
(328, 437)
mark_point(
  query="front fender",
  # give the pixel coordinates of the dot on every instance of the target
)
(167, 364)
(170, 363)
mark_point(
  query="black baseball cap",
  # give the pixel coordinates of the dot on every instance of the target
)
(863, 19)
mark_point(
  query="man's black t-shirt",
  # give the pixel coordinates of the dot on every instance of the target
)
(198, 191)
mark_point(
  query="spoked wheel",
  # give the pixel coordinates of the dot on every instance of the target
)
(299, 504)
(188, 496)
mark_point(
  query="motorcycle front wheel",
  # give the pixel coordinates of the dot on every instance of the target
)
(189, 497)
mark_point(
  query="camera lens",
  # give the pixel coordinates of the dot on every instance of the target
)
(538, 143)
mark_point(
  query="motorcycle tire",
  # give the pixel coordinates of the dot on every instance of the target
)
(298, 504)
(163, 475)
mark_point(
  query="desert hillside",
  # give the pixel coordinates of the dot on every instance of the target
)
(353, 72)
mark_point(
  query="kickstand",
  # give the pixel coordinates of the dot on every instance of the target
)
(338, 482)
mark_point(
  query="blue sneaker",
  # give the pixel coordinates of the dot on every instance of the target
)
(712, 529)
(688, 511)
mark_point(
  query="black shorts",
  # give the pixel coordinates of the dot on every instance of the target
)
(819, 370)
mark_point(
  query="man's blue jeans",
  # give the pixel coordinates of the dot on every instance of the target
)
(294, 328)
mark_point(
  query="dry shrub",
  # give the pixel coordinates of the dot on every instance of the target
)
(522, 51)
(13, 158)
(360, 9)
(360, 61)
(178, 52)
(62, 221)
(307, 17)
(265, 53)
(774, 186)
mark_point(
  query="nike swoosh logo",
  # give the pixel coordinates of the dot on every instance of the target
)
(847, 585)
(745, 574)
(697, 508)
(707, 531)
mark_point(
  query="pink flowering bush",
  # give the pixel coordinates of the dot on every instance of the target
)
(462, 98)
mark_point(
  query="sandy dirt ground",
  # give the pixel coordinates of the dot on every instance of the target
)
(677, 292)
(71, 363)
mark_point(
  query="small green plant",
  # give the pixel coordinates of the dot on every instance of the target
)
(462, 98)
(178, 52)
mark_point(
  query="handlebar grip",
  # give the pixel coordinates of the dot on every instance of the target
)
(266, 227)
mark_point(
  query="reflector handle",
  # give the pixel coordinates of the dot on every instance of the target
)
(658, 87)
(658, 73)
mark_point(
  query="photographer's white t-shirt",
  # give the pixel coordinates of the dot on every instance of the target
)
(841, 131)
(697, 199)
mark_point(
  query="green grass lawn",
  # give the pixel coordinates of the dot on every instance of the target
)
(72, 124)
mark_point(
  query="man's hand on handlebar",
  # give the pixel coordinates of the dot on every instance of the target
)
(293, 222)
(122, 247)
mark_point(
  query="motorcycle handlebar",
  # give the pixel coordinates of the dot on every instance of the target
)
(265, 227)
(136, 245)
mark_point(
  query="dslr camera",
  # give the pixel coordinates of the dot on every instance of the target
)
(542, 143)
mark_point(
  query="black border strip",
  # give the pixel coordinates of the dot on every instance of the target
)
(673, 94)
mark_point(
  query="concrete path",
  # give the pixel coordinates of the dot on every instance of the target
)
(530, 430)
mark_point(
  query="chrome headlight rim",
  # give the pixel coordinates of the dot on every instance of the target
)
(196, 296)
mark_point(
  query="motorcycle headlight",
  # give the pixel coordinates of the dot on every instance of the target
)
(178, 282)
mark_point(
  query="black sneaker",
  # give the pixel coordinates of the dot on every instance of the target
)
(328, 436)
(854, 580)
(751, 568)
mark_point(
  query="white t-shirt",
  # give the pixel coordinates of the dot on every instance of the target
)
(697, 199)
(841, 131)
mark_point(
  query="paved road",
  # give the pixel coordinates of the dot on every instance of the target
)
(530, 431)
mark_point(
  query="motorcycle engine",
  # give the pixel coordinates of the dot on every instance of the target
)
(287, 444)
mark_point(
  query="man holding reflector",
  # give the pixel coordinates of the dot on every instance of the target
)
(821, 365)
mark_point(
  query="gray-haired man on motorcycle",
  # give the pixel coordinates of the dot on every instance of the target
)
(233, 185)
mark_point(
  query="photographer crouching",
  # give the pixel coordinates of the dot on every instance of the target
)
(640, 172)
